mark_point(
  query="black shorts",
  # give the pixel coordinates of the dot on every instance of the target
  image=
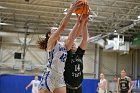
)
(124, 91)
(79, 90)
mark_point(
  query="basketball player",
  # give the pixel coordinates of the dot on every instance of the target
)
(35, 84)
(53, 79)
(102, 84)
(124, 83)
(73, 74)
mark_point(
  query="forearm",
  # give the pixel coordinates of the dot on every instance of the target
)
(85, 32)
(130, 84)
(83, 43)
(73, 34)
(65, 20)
(77, 30)
(28, 86)
(118, 89)
(60, 29)
(118, 85)
(131, 87)
(80, 28)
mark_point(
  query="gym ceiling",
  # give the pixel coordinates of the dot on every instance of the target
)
(39, 15)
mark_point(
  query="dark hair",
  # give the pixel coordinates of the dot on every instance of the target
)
(42, 43)
(123, 70)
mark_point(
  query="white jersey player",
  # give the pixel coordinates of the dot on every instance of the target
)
(53, 76)
(102, 84)
(35, 84)
(53, 79)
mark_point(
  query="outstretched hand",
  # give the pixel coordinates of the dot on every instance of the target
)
(83, 18)
(26, 88)
(76, 4)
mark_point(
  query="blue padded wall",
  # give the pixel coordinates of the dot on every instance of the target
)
(14, 83)
(90, 85)
(17, 84)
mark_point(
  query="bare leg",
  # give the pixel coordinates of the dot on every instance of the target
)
(60, 90)
(43, 91)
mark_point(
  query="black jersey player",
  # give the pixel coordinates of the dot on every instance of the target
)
(124, 83)
(73, 74)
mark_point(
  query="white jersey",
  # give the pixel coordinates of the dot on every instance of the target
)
(35, 84)
(57, 58)
(100, 89)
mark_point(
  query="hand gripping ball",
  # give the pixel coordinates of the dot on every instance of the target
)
(84, 9)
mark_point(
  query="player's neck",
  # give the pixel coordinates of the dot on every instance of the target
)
(73, 51)
(123, 76)
(102, 78)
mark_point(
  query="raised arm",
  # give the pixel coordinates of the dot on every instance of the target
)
(54, 37)
(83, 43)
(75, 32)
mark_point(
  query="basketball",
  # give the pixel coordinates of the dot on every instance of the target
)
(84, 9)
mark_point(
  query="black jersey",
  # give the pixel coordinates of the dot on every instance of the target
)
(124, 84)
(73, 74)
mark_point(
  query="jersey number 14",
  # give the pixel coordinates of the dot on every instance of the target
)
(77, 67)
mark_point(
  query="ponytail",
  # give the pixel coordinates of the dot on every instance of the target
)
(42, 43)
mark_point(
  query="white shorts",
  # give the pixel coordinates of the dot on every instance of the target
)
(35, 90)
(52, 80)
(101, 91)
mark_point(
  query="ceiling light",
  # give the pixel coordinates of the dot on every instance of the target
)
(73, 14)
(55, 24)
(115, 31)
(138, 17)
(5, 24)
(2, 7)
(66, 13)
(65, 9)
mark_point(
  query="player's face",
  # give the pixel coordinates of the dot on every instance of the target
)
(36, 77)
(73, 47)
(53, 30)
(101, 76)
(123, 73)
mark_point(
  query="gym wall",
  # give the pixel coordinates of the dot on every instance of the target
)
(111, 63)
(37, 57)
(139, 64)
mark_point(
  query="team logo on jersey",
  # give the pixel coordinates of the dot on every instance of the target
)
(62, 48)
(63, 57)
(64, 54)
